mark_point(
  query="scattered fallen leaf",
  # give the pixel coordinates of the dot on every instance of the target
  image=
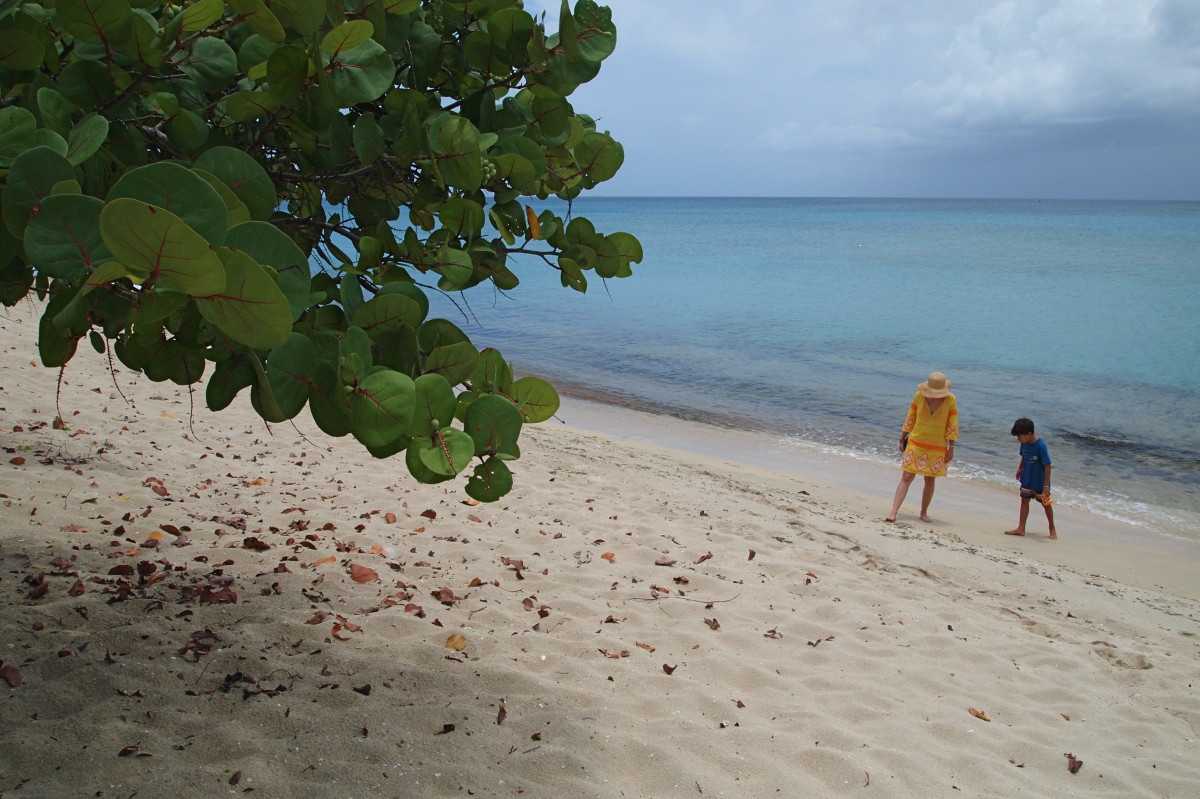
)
(1015, 763)
(704, 557)
(1073, 764)
(456, 642)
(664, 561)
(752, 554)
(647, 647)
(979, 714)
(669, 669)
(501, 714)
(362, 574)
(11, 675)
(772, 633)
(713, 624)
(609, 556)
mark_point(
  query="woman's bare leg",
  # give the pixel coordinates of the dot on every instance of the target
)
(926, 498)
(906, 479)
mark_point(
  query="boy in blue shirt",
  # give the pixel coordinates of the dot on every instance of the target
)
(1034, 475)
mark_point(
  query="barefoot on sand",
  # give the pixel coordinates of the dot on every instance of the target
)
(1014, 532)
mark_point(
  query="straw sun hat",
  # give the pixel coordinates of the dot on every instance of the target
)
(936, 386)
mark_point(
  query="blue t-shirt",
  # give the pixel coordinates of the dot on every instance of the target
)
(1035, 457)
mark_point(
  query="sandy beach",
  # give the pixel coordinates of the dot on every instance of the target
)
(199, 605)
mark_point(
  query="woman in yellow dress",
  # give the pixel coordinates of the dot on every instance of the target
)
(927, 440)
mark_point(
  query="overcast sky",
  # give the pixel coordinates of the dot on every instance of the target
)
(901, 98)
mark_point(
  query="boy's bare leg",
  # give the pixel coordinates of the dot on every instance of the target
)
(1020, 528)
(1050, 521)
(926, 498)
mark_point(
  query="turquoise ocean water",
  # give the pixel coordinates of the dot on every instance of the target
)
(812, 320)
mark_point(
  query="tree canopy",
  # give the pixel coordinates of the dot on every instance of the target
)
(262, 195)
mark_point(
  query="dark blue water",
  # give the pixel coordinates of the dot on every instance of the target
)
(814, 319)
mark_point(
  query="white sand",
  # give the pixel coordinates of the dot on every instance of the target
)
(813, 649)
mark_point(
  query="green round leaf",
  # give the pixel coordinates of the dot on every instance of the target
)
(250, 309)
(20, 50)
(535, 398)
(490, 481)
(260, 20)
(30, 180)
(347, 36)
(462, 217)
(290, 370)
(434, 406)
(456, 148)
(96, 21)
(387, 312)
(86, 83)
(494, 424)
(86, 138)
(302, 16)
(229, 377)
(381, 408)
(248, 106)
(447, 451)
(420, 472)
(180, 191)
(327, 400)
(63, 238)
(202, 13)
(361, 74)
(55, 111)
(157, 245)
(212, 64)
(599, 156)
(235, 210)
(510, 29)
(410, 290)
(401, 6)
(454, 362)
(144, 43)
(247, 178)
(187, 130)
(287, 73)
(18, 132)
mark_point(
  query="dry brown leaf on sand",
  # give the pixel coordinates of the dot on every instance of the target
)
(362, 574)
(979, 714)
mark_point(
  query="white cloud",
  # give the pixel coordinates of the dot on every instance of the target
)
(709, 91)
(1023, 63)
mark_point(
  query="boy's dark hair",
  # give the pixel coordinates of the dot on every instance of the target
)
(1022, 426)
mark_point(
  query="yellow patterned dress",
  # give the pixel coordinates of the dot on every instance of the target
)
(928, 434)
